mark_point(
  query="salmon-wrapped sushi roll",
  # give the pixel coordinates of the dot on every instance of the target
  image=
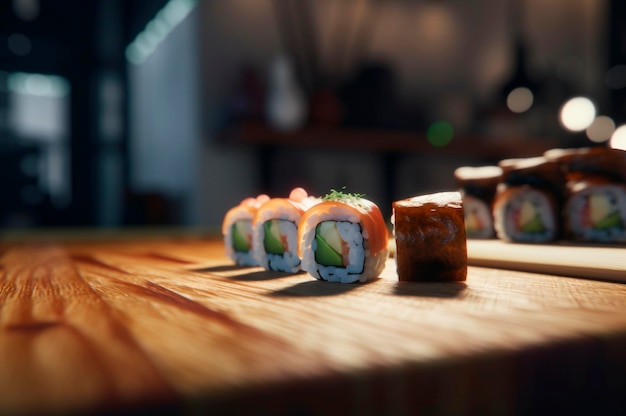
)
(237, 230)
(275, 231)
(343, 239)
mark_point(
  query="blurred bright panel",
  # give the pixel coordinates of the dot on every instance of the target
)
(157, 29)
(577, 114)
(39, 113)
(618, 139)
(38, 84)
(520, 100)
(601, 129)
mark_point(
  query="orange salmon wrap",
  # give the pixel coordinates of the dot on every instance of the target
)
(275, 231)
(343, 239)
(237, 230)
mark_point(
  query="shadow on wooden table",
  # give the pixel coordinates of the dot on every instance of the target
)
(431, 289)
(313, 288)
(221, 268)
(261, 275)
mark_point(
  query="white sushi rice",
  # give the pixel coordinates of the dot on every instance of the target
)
(288, 219)
(577, 202)
(362, 265)
(289, 260)
(350, 233)
(244, 258)
(504, 222)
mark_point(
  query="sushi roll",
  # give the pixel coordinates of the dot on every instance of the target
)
(237, 230)
(595, 210)
(602, 161)
(527, 204)
(595, 193)
(431, 243)
(275, 231)
(343, 239)
(478, 187)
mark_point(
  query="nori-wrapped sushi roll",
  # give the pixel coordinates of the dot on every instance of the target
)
(527, 205)
(595, 193)
(478, 187)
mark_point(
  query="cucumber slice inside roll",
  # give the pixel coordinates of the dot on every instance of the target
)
(535, 225)
(240, 237)
(613, 220)
(272, 240)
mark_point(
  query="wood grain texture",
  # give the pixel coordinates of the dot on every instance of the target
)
(108, 326)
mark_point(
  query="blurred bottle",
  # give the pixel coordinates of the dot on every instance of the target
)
(286, 106)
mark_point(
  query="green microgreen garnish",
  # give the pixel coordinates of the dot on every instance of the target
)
(342, 196)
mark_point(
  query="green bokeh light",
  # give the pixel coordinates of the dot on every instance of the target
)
(440, 133)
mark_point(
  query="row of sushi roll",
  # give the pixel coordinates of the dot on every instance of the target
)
(573, 194)
(340, 237)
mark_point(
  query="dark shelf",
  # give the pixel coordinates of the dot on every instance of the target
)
(385, 141)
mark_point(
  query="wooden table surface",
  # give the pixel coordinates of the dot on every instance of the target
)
(170, 323)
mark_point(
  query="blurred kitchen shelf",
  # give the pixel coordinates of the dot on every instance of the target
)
(385, 141)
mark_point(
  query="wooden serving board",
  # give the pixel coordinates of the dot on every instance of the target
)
(601, 262)
(157, 322)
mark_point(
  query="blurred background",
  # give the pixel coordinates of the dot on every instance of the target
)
(119, 113)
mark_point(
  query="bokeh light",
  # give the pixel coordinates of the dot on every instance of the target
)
(19, 44)
(27, 10)
(440, 133)
(577, 113)
(601, 129)
(618, 139)
(520, 100)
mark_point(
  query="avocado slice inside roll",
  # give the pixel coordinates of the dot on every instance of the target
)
(535, 225)
(613, 220)
(325, 254)
(240, 239)
(272, 240)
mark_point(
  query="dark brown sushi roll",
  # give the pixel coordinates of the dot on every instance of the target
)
(595, 209)
(527, 205)
(541, 172)
(600, 161)
(430, 236)
(478, 187)
(595, 193)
